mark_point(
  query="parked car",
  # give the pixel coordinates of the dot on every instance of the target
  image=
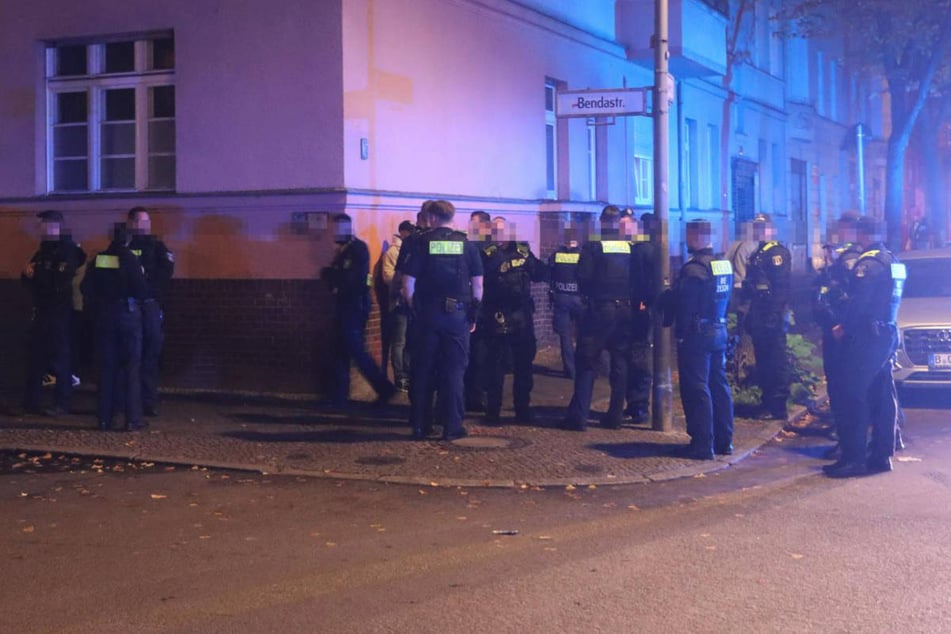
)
(924, 320)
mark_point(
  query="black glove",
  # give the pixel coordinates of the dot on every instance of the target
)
(474, 311)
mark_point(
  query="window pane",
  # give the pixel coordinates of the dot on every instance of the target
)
(70, 141)
(118, 173)
(120, 57)
(550, 98)
(120, 104)
(550, 157)
(161, 137)
(118, 138)
(162, 172)
(71, 60)
(163, 102)
(70, 175)
(163, 53)
(71, 107)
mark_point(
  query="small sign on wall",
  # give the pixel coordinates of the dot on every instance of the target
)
(307, 221)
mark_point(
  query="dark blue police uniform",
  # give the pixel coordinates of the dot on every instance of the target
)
(443, 265)
(870, 341)
(768, 286)
(114, 288)
(829, 299)
(475, 378)
(159, 266)
(701, 296)
(508, 324)
(566, 302)
(640, 371)
(604, 277)
(349, 279)
(51, 286)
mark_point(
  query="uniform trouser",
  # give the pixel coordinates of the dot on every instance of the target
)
(475, 370)
(833, 366)
(399, 351)
(152, 339)
(522, 347)
(119, 343)
(705, 391)
(567, 310)
(640, 370)
(440, 355)
(772, 366)
(605, 325)
(350, 345)
(49, 350)
(868, 396)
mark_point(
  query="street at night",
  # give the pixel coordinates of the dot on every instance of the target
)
(767, 545)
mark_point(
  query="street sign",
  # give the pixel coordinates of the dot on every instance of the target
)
(601, 103)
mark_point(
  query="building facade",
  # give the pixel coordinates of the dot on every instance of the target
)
(245, 125)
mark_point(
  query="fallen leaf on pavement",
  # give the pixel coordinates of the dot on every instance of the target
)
(28, 529)
(158, 496)
(796, 555)
(633, 507)
(570, 487)
(592, 487)
(907, 459)
(330, 544)
(421, 492)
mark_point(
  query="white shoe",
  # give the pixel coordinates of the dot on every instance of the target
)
(76, 381)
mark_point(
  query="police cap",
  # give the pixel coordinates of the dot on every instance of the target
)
(611, 212)
(761, 217)
(50, 215)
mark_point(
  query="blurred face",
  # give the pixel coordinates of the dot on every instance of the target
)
(499, 230)
(846, 232)
(628, 227)
(698, 237)
(141, 224)
(49, 229)
(343, 230)
(760, 231)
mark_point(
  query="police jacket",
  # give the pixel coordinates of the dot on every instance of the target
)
(157, 261)
(54, 266)
(643, 284)
(510, 269)
(831, 285)
(443, 263)
(563, 264)
(768, 279)
(348, 275)
(115, 275)
(701, 293)
(874, 291)
(604, 271)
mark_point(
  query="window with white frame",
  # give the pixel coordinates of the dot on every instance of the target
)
(643, 180)
(111, 114)
(691, 176)
(551, 140)
(592, 161)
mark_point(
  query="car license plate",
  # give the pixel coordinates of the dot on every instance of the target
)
(940, 361)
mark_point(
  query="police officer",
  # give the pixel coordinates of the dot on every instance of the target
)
(604, 279)
(115, 288)
(508, 321)
(697, 307)
(49, 278)
(443, 285)
(829, 299)
(869, 338)
(480, 233)
(767, 287)
(640, 366)
(566, 303)
(158, 262)
(349, 279)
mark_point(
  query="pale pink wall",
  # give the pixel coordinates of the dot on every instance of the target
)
(258, 87)
(450, 96)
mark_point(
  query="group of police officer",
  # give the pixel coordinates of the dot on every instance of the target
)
(122, 288)
(858, 292)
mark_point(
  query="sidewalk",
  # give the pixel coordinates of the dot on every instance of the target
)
(287, 435)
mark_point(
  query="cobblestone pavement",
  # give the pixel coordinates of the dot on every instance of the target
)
(289, 434)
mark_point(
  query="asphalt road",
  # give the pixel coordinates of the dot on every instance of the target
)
(766, 546)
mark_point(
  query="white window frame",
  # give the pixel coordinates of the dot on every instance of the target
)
(95, 83)
(643, 179)
(592, 161)
(551, 149)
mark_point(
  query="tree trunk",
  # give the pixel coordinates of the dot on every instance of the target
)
(929, 134)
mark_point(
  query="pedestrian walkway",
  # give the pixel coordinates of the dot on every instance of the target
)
(286, 434)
